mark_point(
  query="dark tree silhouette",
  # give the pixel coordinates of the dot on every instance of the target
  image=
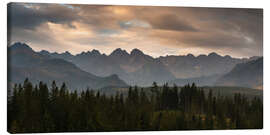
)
(38, 108)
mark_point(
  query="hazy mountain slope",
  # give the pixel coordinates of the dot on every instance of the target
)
(249, 74)
(24, 62)
(199, 81)
(141, 69)
(150, 72)
(97, 64)
(190, 66)
(135, 68)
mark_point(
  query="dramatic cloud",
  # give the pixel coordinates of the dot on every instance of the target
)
(171, 22)
(29, 16)
(155, 30)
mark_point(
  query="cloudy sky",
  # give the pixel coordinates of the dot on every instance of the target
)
(157, 31)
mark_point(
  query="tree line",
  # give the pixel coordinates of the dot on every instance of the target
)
(39, 108)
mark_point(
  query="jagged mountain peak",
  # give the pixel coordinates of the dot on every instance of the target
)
(136, 52)
(95, 52)
(202, 56)
(64, 54)
(19, 45)
(44, 52)
(213, 54)
(190, 55)
(227, 56)
(119, 52)
(67, 52)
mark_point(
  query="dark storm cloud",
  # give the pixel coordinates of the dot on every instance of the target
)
(248, 22)
(240, 30)
(30, 16)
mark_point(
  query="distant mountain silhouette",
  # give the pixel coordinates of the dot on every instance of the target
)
(137, 68)
(23, 63)
(249, 74)
(189, 66)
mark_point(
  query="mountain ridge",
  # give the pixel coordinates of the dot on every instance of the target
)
(249, 74)
(25, 63)
(141, 69)
(138, 50)
(128, 65)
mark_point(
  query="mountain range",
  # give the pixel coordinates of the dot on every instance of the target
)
(121, 68)
(137, 68)
(24, 62)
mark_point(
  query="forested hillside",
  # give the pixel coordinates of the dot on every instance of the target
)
(43, 108)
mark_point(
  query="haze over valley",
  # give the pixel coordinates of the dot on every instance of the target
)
(120, 68)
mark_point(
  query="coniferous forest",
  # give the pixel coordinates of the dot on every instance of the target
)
(51, 108)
